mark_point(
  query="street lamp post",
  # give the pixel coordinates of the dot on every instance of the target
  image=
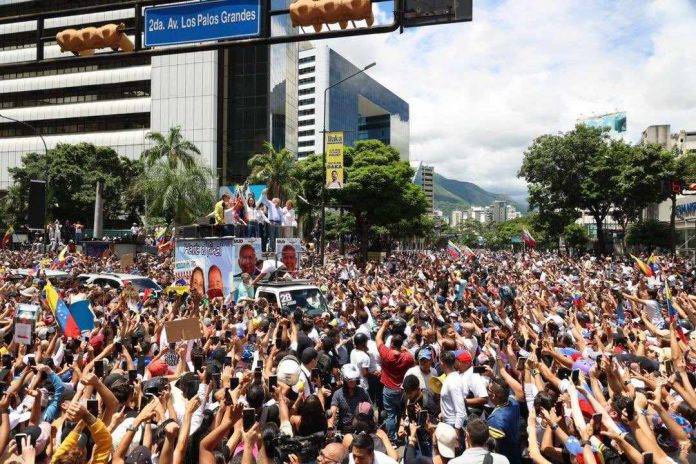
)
(323, 159)
(36, 131)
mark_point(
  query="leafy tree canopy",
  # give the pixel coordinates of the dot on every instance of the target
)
(72, 172)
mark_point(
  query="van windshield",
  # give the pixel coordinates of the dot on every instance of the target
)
(309, 300)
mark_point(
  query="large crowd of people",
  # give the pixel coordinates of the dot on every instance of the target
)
(491, 358)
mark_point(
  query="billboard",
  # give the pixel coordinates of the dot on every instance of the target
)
(613, 121)
(334, 160)
(247, 252)
(430, 12)
(289, 252)
(206, 265)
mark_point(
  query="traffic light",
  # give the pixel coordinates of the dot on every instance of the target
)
(84, 41)
(316, 13)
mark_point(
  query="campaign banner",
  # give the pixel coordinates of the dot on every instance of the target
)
(248, 251)
(206, 265)
(289, 252)
(254, 189)
(23, 332)
(334, 160)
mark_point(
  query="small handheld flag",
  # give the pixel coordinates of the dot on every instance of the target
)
(453, 250)
(644, 268)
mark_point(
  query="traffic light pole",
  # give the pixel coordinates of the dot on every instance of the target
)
(323, 161)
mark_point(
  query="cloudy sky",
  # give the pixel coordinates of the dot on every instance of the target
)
(480, 92)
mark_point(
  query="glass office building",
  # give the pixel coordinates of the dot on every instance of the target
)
(360, 106)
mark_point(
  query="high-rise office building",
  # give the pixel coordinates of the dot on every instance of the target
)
(360, 106)
(425, 178)
(499, 211)
(227, 102)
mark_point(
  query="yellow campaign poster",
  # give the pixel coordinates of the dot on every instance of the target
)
(334, 160)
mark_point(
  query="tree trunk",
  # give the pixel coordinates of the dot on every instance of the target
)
(672, 225)
(601, 245)
(364, 237)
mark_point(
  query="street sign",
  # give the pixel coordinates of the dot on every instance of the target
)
(431, 12)
(201, 21)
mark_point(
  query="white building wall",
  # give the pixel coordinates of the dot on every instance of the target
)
(184, 93)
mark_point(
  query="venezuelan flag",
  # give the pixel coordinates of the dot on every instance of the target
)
(8, 236)
(61, 312)
(645, 269)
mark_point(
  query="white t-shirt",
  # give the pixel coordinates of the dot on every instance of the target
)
(361, 360)
(476, 384)
(423, 379)
(380, 458)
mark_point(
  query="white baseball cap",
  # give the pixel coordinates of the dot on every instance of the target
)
(447, 440)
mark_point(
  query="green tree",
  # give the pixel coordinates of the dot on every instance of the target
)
(309, 175)
(684, 169)
(644, 169)
(275, 168)
(71, 173)
(576, 236)
(176, 193)
(172, 147)
(575, 170)
(650, 234)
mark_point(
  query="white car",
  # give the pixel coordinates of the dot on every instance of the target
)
(290, 296)
(113, 280)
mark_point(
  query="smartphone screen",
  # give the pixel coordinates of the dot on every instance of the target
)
(197, 363)
(93, 407)
(234, 382)
(118, 348)
(560, 410)
(99, 368)
(132, 375)
(520, 363)
(32, 360)
(669, 367)
(422, 418)
(257, 373)
(575, 376)
(228, 360)
(248, 418)
(19, 438)
(563, 373)
(479, 369)
(141, 365)
(315, 373)
(272, 382)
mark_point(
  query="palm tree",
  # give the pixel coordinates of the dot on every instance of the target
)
(176, 193)
(275, 169)
(173, 147)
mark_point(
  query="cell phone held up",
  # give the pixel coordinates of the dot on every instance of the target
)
(248, 418)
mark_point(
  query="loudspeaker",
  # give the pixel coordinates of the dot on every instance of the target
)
(36, 217)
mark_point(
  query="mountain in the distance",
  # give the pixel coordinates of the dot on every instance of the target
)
(452, 194)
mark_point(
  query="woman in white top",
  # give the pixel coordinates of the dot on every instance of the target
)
(289, 221)
(252, 217)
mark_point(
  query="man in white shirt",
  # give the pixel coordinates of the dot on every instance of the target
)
(452, 406)
(476, 436)
(360, 358)
(422, 371)
(275, 219)
(363, 451)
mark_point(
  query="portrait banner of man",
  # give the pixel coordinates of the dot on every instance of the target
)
(206, 265)
(248, 256)
(289, 252)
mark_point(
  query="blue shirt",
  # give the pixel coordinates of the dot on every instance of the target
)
(53, 407)
(504, 426)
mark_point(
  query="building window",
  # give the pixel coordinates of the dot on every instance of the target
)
(306, 70)
(89, 93)
(305, 112)
(308, 91)
(306, 122)
(306, 80)
(43, 70)
(306, 143)
(78, 125)
(305, 133)
(307, 101)
(307, 59)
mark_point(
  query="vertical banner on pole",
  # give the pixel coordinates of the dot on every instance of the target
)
(334, 160)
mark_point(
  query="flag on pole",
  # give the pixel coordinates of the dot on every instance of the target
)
(468, 252)
(7, 237)
(453, 250)
(81, 311)
(673, 314)
(527, 238)
(644, 268)
(160, 233)
(61, 312)
(165, 247)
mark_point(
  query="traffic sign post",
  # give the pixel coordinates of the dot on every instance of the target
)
(201, 22)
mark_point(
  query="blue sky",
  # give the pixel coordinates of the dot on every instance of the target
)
(480, 92)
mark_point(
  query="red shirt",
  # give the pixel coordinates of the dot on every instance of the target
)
(394, 366)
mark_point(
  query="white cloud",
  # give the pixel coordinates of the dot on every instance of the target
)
(480, 92)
